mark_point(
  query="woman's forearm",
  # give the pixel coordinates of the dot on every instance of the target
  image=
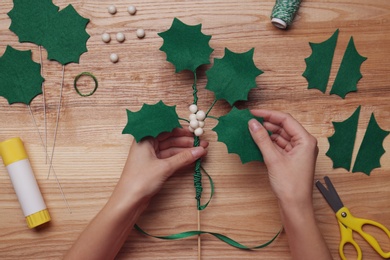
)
(113, 223)
(304, 237)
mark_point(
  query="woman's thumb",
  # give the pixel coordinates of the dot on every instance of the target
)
(261, 138)
(186, 157)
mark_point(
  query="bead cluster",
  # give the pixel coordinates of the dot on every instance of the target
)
(197, 118)
(120, 37)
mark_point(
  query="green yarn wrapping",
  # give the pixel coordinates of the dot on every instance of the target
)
(285, 10)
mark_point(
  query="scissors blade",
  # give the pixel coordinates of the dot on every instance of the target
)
(330, 194)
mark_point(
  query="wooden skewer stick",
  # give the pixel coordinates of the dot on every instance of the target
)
(199, 241)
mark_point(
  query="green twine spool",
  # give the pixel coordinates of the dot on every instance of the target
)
(284, 12)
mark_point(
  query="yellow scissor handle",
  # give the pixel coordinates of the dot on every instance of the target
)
(356, 224)
(346, 237)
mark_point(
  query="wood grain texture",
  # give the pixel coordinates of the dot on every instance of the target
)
(91, 151)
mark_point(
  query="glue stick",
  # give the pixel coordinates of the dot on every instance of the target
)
(23, 180)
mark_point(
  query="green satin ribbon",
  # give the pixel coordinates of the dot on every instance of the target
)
(221, 237)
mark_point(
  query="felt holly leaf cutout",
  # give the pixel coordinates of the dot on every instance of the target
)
(341, 143)
(232, 129)
(319, 63)
(151, 120)
(20, 76)
(186, 46)
(66, 39)
(349, 72)
(371, 149)
(29, 19)
(232, 77)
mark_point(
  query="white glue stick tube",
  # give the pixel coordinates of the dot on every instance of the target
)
(23, 180)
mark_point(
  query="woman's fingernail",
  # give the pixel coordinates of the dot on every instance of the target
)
(254, 125)
(197, 151)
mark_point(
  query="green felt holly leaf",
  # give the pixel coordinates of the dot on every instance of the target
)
(186, 46)
(29, 19)
(20, 76)
(319, 63)
(232, 129)
(151, 120)
(232, 77)
(371, 149)
(341, 143)
(349, 72)
(66, 39)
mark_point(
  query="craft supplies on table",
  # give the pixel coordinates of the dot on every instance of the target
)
(16, 160)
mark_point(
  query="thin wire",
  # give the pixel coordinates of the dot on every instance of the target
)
(57, 121)
(44, 102)
(45, 148)
(211, 107)
(213, 117)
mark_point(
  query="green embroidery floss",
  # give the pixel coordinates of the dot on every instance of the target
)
(284, 12)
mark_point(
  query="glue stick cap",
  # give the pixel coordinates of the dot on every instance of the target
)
(12, 150)
(23, 180)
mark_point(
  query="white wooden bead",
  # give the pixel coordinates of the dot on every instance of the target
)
(140, 33)
(131, 9)
(198, 131)
(112, 9)
(120, 37)
(193, 108)
(201, 124)
(194, 124)
(114, 57)
(192, 117)
(200, 115)
(191, 129)
(106, 37)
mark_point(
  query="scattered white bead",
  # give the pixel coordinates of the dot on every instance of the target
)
(114, 58)
(194, 124)
(192, 117)
(201, 124)
(106, 37)
(193, 108)
(198, 131)
(112, 9)
(140, 33)
(132, 10)
(120, 37)
(191, 129)
(200, 115)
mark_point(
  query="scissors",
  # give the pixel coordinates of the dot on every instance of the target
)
(348, 223)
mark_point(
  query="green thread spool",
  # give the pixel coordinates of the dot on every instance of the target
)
(284, 12)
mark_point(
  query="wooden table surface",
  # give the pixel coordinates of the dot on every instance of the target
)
(90, 150)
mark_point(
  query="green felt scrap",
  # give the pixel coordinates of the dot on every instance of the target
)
(186, 46)
(66, 39)
(151, 120)
(232, 129)
(342, 142)
(371, 149)
(20, 76)
(319, 64)
(30, 18)
(349, 72)
(232, 77)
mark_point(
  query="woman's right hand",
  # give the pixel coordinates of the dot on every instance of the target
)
(290, 154)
